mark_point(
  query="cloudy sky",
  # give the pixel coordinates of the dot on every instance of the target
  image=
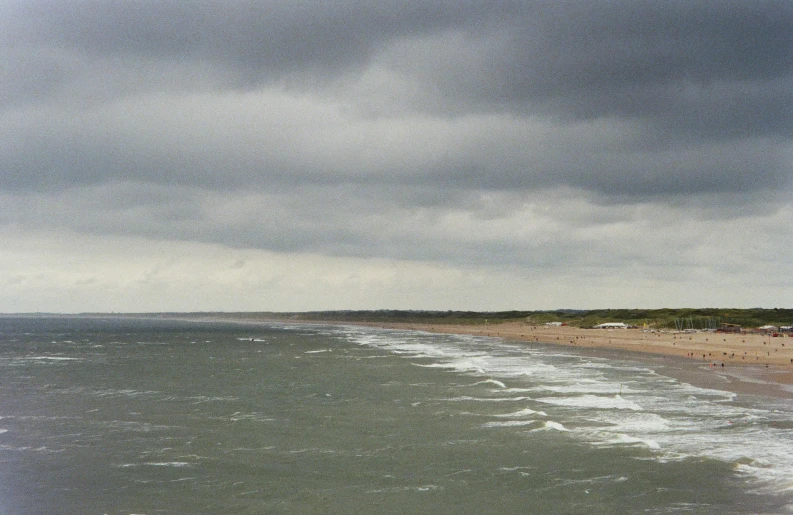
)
(350, 154)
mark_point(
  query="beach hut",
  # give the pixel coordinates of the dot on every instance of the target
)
(612, 325)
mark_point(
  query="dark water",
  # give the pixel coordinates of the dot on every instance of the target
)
(145, 416)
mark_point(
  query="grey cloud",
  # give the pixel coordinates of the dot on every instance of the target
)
(567, 59)
(276, 142)
(629, 101)
(263, 39)
(698, 70)
(552, 230)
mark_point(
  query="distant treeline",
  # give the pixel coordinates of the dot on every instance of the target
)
(667, 318)
(701, 318)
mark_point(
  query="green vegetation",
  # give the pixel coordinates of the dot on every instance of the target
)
(658, 318)
(667, 318)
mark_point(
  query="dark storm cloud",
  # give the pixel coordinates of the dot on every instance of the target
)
(263, 39)
(579, 59)
(628, 100)
(636, 56)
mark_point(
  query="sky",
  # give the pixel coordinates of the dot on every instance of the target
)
(349, 154)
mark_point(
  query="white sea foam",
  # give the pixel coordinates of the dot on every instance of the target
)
(514, 469)
(48, 358)
(486, 399)
(522, 413)
(491, 381)
(550, 424)
(510, 423)
(635, 421)
(251, 417)
(778, 478)
(458, 366)
(420, 488)
(591, 386)
(123, 393)
(623, 439)
(592, 401)
(614, 403)
(177, 464)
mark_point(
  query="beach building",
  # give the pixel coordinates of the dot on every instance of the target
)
(612, 325)
(729, 328)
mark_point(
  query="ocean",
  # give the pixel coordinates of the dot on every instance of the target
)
(151, 416)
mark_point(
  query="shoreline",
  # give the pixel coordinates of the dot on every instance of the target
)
(753, 364)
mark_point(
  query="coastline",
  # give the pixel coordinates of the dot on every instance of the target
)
(750, 364)
(753, 364)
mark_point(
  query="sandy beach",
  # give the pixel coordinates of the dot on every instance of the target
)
(744, 363)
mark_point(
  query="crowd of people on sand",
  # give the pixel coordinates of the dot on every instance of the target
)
(718, 348)
(771, 353)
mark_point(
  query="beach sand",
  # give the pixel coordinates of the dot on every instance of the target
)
(743, 363)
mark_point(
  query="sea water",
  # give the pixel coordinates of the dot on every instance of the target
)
(145, 416)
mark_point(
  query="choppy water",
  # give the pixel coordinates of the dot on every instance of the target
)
(140, 416)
